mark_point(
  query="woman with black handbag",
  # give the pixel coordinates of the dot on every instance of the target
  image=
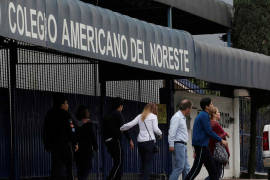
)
(148, 125)
(213, 144)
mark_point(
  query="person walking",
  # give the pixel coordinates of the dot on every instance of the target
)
(87, 143)
(202, 131)
(178, 138)
(215, 117)
(60, 139)
(148, 125)
(113, 136)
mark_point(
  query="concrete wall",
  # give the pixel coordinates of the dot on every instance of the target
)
(226, 107)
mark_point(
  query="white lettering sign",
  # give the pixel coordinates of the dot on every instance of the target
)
(36, 24)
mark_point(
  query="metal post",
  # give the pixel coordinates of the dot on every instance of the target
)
(13, 58)
(169, 85)
(170, 17)
(253, 135)
(95, 79)
(139, 91)
(102, 105)
(170, 101)
(229, 39)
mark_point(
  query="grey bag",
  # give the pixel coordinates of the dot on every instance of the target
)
(220, 154)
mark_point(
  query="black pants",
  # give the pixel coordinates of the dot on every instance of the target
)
(146, 150)
(203, 157)
(84, 165)
(62, 159)
(219, 168)
(114, 148)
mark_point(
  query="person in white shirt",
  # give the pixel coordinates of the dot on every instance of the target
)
(148, 125)
(178, 138)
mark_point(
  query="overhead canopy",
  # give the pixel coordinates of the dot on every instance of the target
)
(231, 66)
(194, 16)
(75, 27)
(211, 10)
(144, 50)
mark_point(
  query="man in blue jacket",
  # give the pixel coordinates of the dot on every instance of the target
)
(202, 131)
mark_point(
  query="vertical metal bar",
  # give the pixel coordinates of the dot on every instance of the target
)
(102, 104)
(13, 58)
(95, 79)
(169, 84)
(170, 17)
(253, 135)
(98, 131)
(139, 93)
(229, 39)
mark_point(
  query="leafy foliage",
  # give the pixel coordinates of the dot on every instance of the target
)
(251, 27)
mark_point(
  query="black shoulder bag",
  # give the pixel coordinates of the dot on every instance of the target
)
(155, 149)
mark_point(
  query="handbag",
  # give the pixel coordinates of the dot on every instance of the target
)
(220, 154)
(155, 148)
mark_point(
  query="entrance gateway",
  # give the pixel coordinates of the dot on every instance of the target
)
(218, 65)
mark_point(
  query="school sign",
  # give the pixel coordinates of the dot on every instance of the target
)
(86, 30)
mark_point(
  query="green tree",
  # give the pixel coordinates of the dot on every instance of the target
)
(251, 27)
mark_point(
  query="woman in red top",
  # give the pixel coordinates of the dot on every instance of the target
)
(215, 117)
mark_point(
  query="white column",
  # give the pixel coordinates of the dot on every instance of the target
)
(236, 130)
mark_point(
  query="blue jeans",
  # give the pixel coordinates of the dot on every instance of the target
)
(179, 162)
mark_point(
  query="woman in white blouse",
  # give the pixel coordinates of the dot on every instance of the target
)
(148, 125)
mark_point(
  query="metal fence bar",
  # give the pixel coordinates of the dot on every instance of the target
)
(13, 58)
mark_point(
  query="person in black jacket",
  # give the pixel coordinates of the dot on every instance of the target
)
(86, 141)
(60, 139)
(112, 137)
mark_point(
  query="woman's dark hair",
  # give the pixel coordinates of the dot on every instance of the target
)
(117, 102)
(81, 112)
(58, 100)
(205, 102)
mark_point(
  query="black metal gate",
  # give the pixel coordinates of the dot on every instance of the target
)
(262, 119)
(29, 76)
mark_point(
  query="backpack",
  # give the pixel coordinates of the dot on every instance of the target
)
(220, 154)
